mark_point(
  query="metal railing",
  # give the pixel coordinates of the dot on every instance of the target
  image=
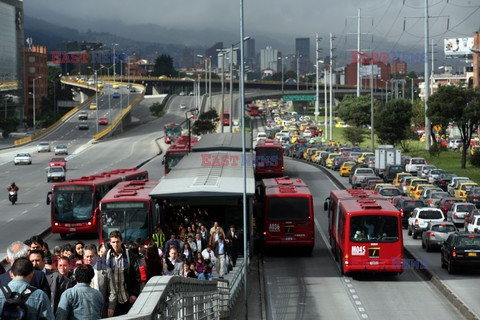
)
(173, 297)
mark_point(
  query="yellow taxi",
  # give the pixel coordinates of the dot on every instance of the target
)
(294, 138)
(316, 155)
(363, 155)
(345, 168)
(463, 189)
(309, 152)
(329, 160)
(398, 178)
(412, 184)
(93, 106)
(115, 86)
(417, 192)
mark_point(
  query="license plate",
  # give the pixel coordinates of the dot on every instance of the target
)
(472, 254)
(289, 239)
(373, 263)
(73, 229)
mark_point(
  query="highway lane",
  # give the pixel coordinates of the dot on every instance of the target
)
(465, 284)
(311, 287)
(31, 215)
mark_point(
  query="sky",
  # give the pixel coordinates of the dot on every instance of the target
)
(282, 20)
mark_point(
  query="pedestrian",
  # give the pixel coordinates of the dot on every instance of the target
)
(188, 272)
(233, 242)
(220, 250)
(187, 254)
(158, 237)
(172, 265)
(102, 279)
(214, 227)
(153, 262)
(173, 241)
(204, 233)
(214, 236)
(200, 243)
(37, 302)
(200, 266)
(64, 267)
(18, 250)
(78, 247)
(126, 278)
(56, 282)
(102, 249)
(209, 257)
(81, 302)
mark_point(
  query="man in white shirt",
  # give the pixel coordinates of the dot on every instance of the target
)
(192, 244)
(220, 250)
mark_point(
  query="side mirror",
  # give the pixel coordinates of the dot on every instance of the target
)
(325, 204)
(49, 195)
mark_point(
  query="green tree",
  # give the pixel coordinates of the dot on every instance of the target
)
(206, 122)
(354, 135)
(392, 122)
(8, 125)
(356, 110)
(418, 113)
(459, 105)
(164, 66)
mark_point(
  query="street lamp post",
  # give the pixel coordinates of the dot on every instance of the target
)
(114, 59)
(317, 89)
(54, 100)
(194, 112)
(34, 105)
(325, 101)
(96, 95)
(283, 81)
(298, 71)
(109, 104)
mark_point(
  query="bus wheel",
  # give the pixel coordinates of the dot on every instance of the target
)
(63, 235)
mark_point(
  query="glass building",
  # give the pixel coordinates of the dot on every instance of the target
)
(11, 57)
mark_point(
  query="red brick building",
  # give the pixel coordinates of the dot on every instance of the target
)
(35, 66)
(379, 80)
(399, 67)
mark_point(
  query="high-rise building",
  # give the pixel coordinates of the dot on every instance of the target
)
(212, 52)
(35, 58)
(269, 59)
(250, 56)
(302, 48)
(235, 58)
(11, 55)
(398, 67)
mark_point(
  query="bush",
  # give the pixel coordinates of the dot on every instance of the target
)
(475, 159)
(434, 150)
(157, 109)
(354, 135)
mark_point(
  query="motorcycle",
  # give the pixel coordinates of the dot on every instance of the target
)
(12, 196)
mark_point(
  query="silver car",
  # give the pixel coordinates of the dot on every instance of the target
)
(457, 212)
(61, 149)
(436, 233)
(43, 147)
(23, 158)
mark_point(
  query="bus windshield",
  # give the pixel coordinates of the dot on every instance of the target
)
(268, 156)
(172, 159)
(130, 218)
(374, 228)
(73, 203)
(288, 209)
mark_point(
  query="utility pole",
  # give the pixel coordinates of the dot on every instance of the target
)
(298, 71)
(359, 24)
(317, 92)
(372, 137)
(223, 89)
(231, 89)
(210, 82)
(412, 91)
(427, 81)
(331, 90)
(325, 101)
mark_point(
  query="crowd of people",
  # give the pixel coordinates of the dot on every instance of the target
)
(88, 282)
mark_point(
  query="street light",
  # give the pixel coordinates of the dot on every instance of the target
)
(109, 104)
(114, 58)
(194, 112)
(34, 106)
(298, 71)
(317, 93)
(96, 94)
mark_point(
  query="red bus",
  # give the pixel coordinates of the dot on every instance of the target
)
(253, 110)
(369, 237)
(176, 152)
(171, 131)
(226, 118)
(74, 203)
(288, 219)
(268, 158)
(332, 206)
(129, 209)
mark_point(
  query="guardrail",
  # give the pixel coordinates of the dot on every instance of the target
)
(125, 111)
(174, 297)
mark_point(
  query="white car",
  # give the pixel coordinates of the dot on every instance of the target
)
(261, 136)
(43, 146)
(414, 164)
(22, 158)
(454, 144)
(420, 218)
(475, 225)
(61, 149)
(56, 173)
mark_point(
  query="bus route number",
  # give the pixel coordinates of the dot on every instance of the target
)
(358, 250)
(274, 227)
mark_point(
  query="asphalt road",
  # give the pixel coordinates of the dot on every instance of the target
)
(299, 287)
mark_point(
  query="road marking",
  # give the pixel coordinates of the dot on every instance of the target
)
(36, 205)
(24, 212)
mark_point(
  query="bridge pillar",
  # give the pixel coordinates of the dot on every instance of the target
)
(83, 96)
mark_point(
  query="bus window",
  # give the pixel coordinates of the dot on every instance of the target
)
(288, 209)
(374, 228)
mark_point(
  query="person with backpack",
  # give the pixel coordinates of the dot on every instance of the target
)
(19, 300)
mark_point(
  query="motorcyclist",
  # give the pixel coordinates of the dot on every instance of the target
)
(13, 187)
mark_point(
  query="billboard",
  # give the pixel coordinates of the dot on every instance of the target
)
(367, 70)
(457, 46)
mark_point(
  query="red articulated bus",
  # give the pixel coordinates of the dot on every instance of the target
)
(171, 131)
(129, 209)
(269, 158)
(176, 152)
(332, 206)
(74, 203)
(253, 110)
(288, 218)
(369, 237)
(226, 118)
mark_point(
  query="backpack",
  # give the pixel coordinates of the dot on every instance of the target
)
(15, 307)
